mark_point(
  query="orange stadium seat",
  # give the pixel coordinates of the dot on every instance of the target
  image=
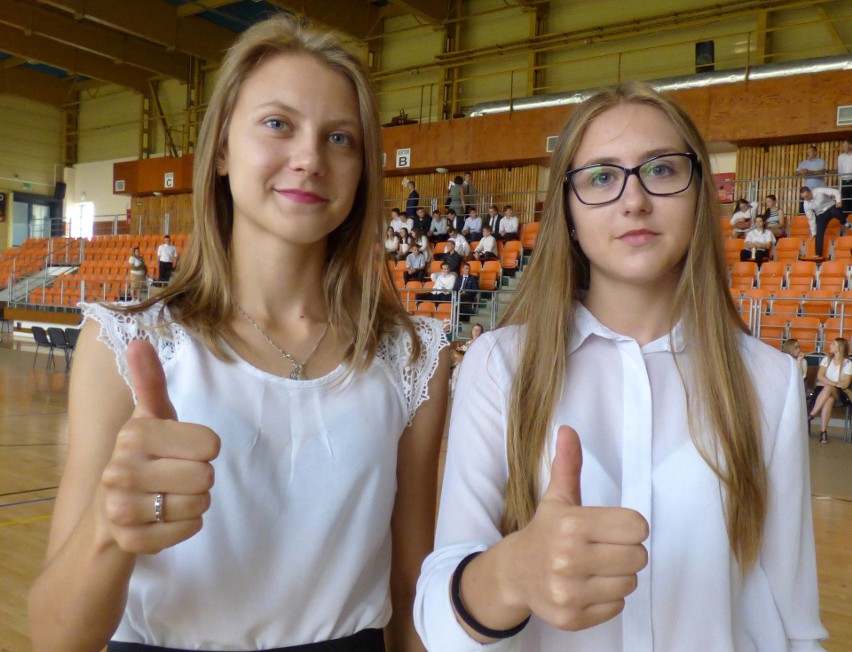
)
(771, 274)
(772, 329)
(806, 330)
(802, 275)
(832, 275)
(743, 275)
(819, 303)
(787, 302)
(799, 227)
(788, 249)
(842, 249)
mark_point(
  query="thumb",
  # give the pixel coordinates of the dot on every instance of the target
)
(149, 382)
(566, 467)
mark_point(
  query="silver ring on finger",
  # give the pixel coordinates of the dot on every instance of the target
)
(159, 507)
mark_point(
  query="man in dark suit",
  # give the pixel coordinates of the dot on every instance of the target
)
(456, 221)
(450, 256)
(467, 286)
(493, 220)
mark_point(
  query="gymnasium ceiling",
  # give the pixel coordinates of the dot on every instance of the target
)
(51, 48)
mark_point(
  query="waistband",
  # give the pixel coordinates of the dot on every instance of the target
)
(368, 640)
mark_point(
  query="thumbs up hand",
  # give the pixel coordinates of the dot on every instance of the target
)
(575, 565)
(156, 455)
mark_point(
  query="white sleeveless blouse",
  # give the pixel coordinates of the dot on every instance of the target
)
(296, 547)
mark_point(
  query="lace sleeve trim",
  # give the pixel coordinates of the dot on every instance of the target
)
(396, 349)
(119, 329)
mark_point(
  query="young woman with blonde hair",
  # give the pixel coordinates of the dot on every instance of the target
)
(280, 361)
(833, 379)
(628, 487)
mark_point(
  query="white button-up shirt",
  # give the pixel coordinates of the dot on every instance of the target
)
(628, 404)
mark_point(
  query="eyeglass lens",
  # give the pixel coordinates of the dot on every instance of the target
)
(662, 175)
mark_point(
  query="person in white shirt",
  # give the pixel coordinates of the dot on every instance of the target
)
(844, 172)
(438, 228)
(167, 257)
(741, 220)
(833, 378)
(821, 205)
(399, 222)
(462, 246)
(508, 225)
(279, 362)
(487, 247)
(472, 229)
(442, 284)
(758, 242)
(636, 476)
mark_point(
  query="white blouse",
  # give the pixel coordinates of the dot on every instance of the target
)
(759, 239)
(833, 370)
(296, 547)
(628, 404)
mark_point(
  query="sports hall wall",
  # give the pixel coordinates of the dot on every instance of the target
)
(432, 74)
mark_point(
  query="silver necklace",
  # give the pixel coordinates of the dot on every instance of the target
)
(298, 372)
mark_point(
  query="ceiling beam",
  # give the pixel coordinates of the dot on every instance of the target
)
(356, 22)
(94, 38)
(76, 62)
(156, 21)
(432, 11)
(34, 85)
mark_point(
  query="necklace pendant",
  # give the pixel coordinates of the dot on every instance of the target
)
(297, 373)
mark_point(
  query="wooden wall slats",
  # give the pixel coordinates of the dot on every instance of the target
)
(778, 163)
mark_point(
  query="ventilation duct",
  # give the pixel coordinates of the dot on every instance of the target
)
(769, 71)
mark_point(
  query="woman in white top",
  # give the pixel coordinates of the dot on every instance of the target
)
(612, 492)
(833, 378)
(741, 220)
(791, 346)
(279, 360)
(758, 243)
(391, 243)
(421, 239)
(404, 247)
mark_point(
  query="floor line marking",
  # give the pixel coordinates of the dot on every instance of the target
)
(21, 521)
(27, 502)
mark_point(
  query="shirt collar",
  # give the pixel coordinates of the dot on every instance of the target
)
(586, 325)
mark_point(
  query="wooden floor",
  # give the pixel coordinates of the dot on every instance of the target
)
(32, 448)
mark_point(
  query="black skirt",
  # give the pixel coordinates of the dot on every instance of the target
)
(368, 640)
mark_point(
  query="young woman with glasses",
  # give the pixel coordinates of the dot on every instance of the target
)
(639, 481)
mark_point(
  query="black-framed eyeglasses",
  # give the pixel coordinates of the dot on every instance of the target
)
(602, 183)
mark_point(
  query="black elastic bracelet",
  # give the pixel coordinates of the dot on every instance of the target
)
(470, 621)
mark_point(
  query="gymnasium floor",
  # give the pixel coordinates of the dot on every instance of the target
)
(33, 419)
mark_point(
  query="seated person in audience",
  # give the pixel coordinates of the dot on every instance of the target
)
(443, 283)
(467, 285)
(415, 264)
(741, 219)
(437, 231)
(833, 378)
(422, 221)
(404, 245)
(454, 220)
(774, 217)
(821, 205)
(758, 242)
(452, 257)
(472, 229)
(493, 219)
(487, 247)
(391, 243)
(508, 226)
(397, 222)
(462, 245)
(475, 331)
(418, 237)
(791, 346)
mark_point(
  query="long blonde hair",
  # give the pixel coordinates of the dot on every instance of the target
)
(359, 292)
(718, 388)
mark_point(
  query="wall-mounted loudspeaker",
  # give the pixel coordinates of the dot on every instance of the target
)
(59, 190)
